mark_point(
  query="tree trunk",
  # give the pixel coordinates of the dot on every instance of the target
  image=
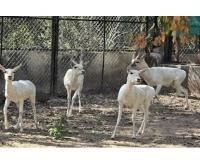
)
(168, 49)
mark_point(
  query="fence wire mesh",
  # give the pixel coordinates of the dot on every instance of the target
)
(103, 40)
(28, 41)
(189, 50)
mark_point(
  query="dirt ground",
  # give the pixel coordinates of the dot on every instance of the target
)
(168, 126)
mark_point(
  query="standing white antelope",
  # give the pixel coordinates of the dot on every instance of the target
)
(160, 76)
(135, 97)
(17, 92)
(73, 81)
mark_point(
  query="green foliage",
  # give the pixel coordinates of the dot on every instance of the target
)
(55, 132)
(26, 33)
(57, 129)
(165, 21)
(30, 33)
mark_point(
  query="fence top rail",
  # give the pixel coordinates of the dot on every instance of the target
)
(101, 20)
(76, 19)
(28, 17)
(71, 49)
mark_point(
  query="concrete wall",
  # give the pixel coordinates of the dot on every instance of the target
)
(192, 81)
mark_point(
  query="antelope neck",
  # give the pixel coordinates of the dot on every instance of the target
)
(74, 77)
(129, 87)
(144, 65)
(8, 87)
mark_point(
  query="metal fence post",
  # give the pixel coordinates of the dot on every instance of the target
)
(54, 54)
(104, 49)
(156, 23)
(168, 49)
(1, 38)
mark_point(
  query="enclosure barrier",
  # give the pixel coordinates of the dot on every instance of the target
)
(43, 46)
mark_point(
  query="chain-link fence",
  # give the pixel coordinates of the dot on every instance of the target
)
(32, 42)
(27, 41)
(103, 41)
(43, 46)
(188, 51)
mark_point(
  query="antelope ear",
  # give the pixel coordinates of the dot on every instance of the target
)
(17, 67)
(2, 68)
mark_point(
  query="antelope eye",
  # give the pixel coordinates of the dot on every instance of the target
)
(75, 67)
(136, 62)
(131, 73)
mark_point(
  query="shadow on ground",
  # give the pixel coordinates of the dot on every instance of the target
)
(168, 126)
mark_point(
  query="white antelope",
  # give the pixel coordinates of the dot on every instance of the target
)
(17, 92)
(160, 76)
(135, 97)
(73, 81)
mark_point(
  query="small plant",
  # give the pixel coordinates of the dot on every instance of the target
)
(55, 132)
(57, 129)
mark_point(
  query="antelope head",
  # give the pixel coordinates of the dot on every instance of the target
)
(78, 66)
(138, 58)
(9, 73)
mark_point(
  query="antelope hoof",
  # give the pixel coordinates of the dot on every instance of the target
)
(36, 125)
(69, 114)
(80, 109)
(139, 135)
(16, 126)
(186, 108)
(134, 136)
(7, 126)
(112, 137)
(21, 129)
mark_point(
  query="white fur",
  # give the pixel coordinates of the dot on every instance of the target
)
(162, 76)
(73, 81)
(135, 97)
(17, 92)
